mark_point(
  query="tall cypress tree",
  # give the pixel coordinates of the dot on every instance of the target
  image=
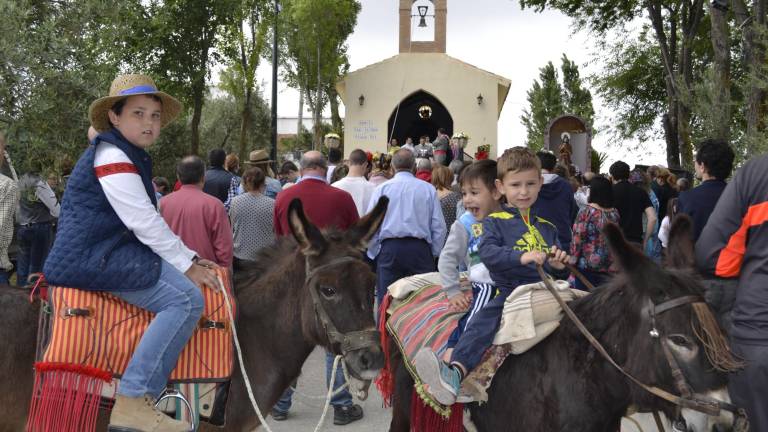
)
(549, 98)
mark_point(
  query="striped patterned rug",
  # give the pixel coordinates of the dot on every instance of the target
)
(423, 319)
(98, 330)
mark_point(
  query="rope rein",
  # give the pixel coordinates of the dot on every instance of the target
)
(247, 381)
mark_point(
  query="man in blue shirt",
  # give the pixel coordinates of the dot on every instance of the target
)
(714, 162)
(413, 230)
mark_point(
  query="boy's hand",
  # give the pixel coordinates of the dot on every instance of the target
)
(460, 301)
(202, 274)
(533, 257)
(557, 258)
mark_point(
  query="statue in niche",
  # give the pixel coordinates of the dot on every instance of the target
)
(565, 150)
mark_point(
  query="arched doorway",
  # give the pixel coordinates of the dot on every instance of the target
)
(408, 122)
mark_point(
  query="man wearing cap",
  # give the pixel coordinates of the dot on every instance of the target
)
(111, 238)
(260, 159)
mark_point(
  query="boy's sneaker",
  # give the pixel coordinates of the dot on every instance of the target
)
(442, 381)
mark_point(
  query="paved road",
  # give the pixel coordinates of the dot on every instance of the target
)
(306, 412)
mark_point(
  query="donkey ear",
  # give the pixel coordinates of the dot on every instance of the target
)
(310, 239)
(627, 256)
(361, 232)
(680, 253)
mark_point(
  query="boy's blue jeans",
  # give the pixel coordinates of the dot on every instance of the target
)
(177, 304)
(478, 335)
(342, 398)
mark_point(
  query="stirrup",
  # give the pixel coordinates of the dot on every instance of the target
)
(175, 394)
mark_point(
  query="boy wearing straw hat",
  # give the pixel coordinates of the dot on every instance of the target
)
(111, 238)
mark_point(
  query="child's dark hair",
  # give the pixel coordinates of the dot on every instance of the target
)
(482, 170)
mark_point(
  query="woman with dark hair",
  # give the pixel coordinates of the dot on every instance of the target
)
(251, 216)
(588, 246)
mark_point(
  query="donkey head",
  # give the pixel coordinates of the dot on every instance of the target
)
(666, 334)
(338, 312)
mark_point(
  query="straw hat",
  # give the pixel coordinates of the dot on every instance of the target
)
(131, 85)
(257, 157)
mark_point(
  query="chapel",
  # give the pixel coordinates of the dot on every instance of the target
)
(421, 89)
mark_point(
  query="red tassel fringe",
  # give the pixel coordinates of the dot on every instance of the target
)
(425, 419)
(66, 397)
(385, 382)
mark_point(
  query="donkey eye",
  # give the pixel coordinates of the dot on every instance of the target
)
(327, 291)
(680, 340)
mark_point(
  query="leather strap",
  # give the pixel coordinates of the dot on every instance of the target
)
(347, 342)
(703, 405)
(671, 304)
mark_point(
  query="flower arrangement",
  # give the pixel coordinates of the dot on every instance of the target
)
(332, 140)
(462, 139)
(483, 152)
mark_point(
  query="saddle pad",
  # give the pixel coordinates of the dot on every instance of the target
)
(107, 337)
(422, 319)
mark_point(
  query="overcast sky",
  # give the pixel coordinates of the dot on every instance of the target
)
(494, 35)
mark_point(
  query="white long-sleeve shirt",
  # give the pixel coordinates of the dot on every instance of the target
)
(126, 194)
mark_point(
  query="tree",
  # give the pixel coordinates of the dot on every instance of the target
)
(313, 36)
(754, 30)
(243, 46)
(676, 26)
(632, 85)
(57, 58)
(548, 99)
(183, 36)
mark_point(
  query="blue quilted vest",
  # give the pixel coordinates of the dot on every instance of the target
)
(94, 250)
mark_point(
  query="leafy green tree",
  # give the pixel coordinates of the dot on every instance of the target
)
(313, 35)
(182, 37)
(57, 57)
(548, 98)
(244, 43)
(676, 25)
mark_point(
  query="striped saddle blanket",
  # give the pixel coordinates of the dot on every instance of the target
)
(419, 316)
(97, 330)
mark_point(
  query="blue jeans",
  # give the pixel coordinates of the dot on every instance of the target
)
(342, 398)
(177, 304)
(34, 243)
(4, 276)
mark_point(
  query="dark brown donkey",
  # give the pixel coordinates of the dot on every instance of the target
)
(277, 323)
(563, 385)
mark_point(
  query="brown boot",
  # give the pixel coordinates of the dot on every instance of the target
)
(140, 415)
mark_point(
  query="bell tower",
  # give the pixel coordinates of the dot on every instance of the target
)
(422, 14)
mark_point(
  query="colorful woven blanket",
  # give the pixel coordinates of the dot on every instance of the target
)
(419, 316)
(97, 330)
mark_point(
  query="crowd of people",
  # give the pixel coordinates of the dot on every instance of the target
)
(151, 243)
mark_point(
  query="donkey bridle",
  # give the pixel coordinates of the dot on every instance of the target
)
(687, 398)
(350, 341)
